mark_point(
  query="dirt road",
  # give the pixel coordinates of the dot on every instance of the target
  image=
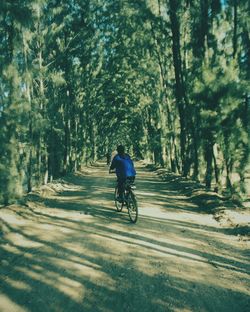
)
(71, 251)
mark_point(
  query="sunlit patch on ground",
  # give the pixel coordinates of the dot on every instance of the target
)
(6, 304)
(72, 251)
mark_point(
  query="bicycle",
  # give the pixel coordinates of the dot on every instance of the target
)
(129, 200)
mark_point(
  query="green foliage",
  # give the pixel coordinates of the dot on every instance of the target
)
(167, 79)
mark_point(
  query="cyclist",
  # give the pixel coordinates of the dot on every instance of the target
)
(124, 169)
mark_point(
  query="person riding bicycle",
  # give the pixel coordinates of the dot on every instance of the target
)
(124, 169)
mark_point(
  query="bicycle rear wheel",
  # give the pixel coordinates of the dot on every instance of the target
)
(118, 205)
(132, 207)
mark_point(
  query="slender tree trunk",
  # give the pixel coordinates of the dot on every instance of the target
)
(163, 105)
(42, 147)
(29, 177)
(46, 164)
(30, 165)
(235, 16)
(179, 88)
(30, 127)
(208, 158)
(38, 160)
(228, 177)
(216, 173)
(66, 144)
(93, 142)
(195, 146)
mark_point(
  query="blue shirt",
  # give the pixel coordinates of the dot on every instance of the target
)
(123, 166)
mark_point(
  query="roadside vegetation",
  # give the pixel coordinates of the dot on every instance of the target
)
(169, 79)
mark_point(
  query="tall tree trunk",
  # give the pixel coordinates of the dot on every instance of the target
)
(179, 86)
(235, 16)
(30, 127)
(30, 157)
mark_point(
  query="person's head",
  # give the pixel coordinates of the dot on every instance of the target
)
(120, 149)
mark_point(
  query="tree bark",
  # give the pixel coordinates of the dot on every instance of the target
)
(235, 16)
(179, 85)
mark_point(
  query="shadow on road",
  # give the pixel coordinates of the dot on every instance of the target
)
(73, 252)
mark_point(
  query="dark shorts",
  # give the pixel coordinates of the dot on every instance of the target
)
(121, 183)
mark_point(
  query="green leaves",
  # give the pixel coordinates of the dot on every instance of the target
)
(78, 77)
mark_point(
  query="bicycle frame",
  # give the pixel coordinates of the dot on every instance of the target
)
(129, 200)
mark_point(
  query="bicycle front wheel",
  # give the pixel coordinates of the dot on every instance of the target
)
(132, 207)
(118, 205)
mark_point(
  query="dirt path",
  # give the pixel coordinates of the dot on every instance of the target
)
(72, 251)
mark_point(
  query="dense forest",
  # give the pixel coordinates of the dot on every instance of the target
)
(167, 78)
